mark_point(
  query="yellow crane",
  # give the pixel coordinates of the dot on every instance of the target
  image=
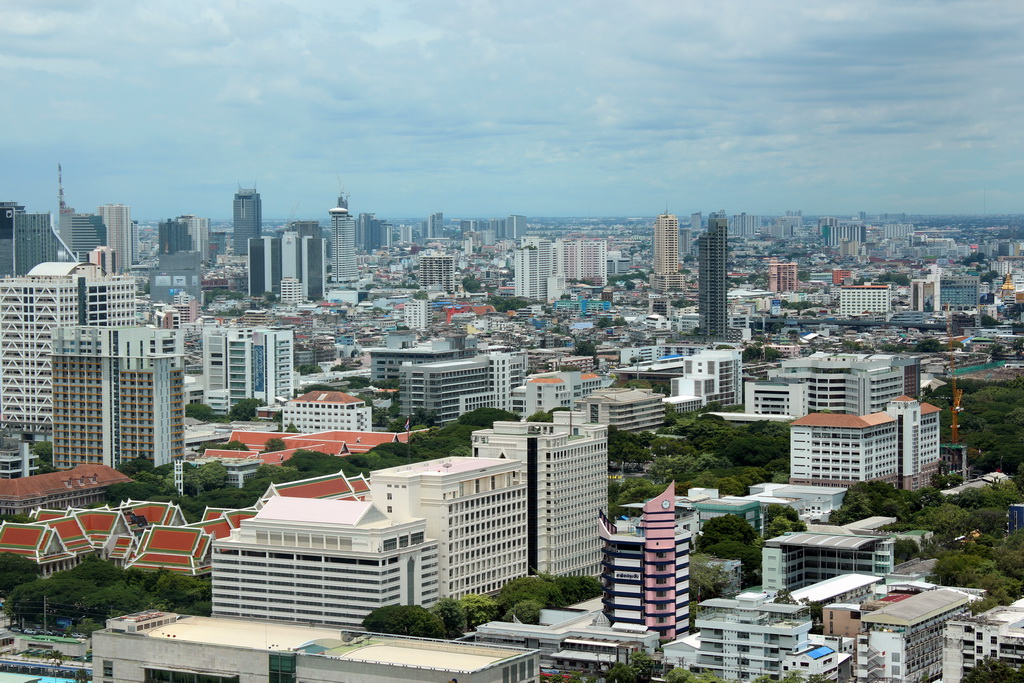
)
(954, 422)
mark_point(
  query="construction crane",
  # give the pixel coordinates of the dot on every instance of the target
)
(954, 422)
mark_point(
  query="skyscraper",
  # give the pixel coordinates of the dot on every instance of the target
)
(515, 226)
(52, 295)
(199, 234)
(35, 242)
(343, 245)
(248, 218)
(264, 265)
(173, 237)
(536, 270)
(583, 260)
(435, 225)
(304, 258)
(84, 232)
(712, 248)
(7, 213)
(437, 271)
(118, 219)
(666, 276)
(118, 395)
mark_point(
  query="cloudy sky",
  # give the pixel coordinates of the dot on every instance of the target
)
(570, 108)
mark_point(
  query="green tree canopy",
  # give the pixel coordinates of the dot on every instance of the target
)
(404, 620)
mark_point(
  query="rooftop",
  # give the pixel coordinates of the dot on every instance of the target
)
(824, 541)
(326, 397)
(836, 420)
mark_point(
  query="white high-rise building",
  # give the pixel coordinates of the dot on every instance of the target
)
(416, 314)
(118, 219)
(713, 376)
(536, 266)
(52, 295)
(199, 233)
(435, 225)
(474, 507)
(583, 259)
(241, 363)
(566, 464)
(118, 395)
(305, 259)
(666, 276)
(343, 243)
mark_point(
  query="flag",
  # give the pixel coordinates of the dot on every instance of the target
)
(407, 423)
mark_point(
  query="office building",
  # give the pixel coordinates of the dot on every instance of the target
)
(8, 210)
(713, 376)
(996, 634)
(240, 363)
(105, 258)
(536, 270)
(515, 227)
(474, 507)
(713, 287)
(264, 257)
(782, 277)
(775, 397)
(118, 395)
(566, 476)
(748, 637)
(583, 260)
(83, 232)
(744, 225)
(645, 572)
(330, 561)
(945, 293)
(304, 258)
(631, 410)
(801, 559)
(695, 222)
(902, 642)
(50, 296)
(437, 272)
(322, 411)
(854, 384)
(435, 225)
(450, 388)
(343, 245)
(248, 219)
(36, 241)
(666, 276)
(162, 647)
(861, 299)
(172, 236)
(554, 390)
(120, 233)
(175, 274)
(401, 349)
(198, 234)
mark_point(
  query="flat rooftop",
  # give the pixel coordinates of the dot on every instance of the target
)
(823, 541)
(357, 646)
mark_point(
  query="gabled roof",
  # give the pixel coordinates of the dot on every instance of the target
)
(179, 549)
(326, 397)
(82, 477)
(37, 542)
(329, 486)
(837, 420)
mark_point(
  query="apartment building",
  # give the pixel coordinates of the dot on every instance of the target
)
(859, 299)
(118, 395)
(631, 410)
(450, 388)
(899, 446)
(474, 507)
(801, 559)
(782, 277)
(401, 348)
(553, 390)
(242, 363)
(775, 397)
(566, 469)
(331, 562)
(645, 572)
(437, 272)
(323, 411)
(995, 634)
(713, 376)
(902, 642)
(50, 296)
(856, 384)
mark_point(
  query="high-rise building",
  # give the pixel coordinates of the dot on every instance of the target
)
(240, 363)
(515, 227)
(343, 245)
(566, 464)
(858, 299)
(118, 220)
(435, 225)
(305, 259)
(264, 255)
(36, 241)
(666, 276)
(450, 388)
(83, 232)
(307, 228)
(645, 571)
(416, 314)
(50, 296)
(105, 258)
(782, 277)
(437, 271)
(199, 234)
(712, 302)
(745, 225)
(583, 260)
(118, 395)
(695, 222)
(248, 219)
(8, 210)
(173, 236)
(536, 270)
(685, 243)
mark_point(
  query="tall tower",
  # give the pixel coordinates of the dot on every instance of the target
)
(343, 244)
(712, 248)
(199, 234)
(248, 218)
(666, 276)
(118, 219)
(435, 225)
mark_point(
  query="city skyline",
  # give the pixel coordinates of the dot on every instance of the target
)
(497, 109)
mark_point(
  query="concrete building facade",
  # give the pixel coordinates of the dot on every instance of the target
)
(322, 411)
(631, 410)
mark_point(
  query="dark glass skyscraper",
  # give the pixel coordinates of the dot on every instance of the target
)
(174, 237)
(712, 250)
(248, 218)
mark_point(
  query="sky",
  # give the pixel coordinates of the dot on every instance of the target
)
(488, 108)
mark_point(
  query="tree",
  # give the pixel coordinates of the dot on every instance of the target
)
(539, 588)
(292, 429)
(479, 609)
(541, 416)
(990, 670)
(308, 369)
(707, 580)
(620, 673)
(642, 665)
(679, 675)
(525, 611)
(725, 528)
(585, 348)
(452, 615)
(404, 620)
(930, 345)
(16, 570)
(274, 445)
(201, 412)
(245, 410)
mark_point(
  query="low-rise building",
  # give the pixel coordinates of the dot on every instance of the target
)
(78, 487)
(996, 634)
(161, 647)
(448, 389)
(800, 559)
(321, 411)
(631, 410)
(714, 376)
(553, 390)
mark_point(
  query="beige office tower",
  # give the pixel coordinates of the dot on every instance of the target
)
(118, 219)
(666, 276)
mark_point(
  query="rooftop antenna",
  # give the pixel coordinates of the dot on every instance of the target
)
(291, 218)
(64, 208)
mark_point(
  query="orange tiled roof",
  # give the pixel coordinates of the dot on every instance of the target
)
(82, 477)
(836, 420)
(326, 397)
